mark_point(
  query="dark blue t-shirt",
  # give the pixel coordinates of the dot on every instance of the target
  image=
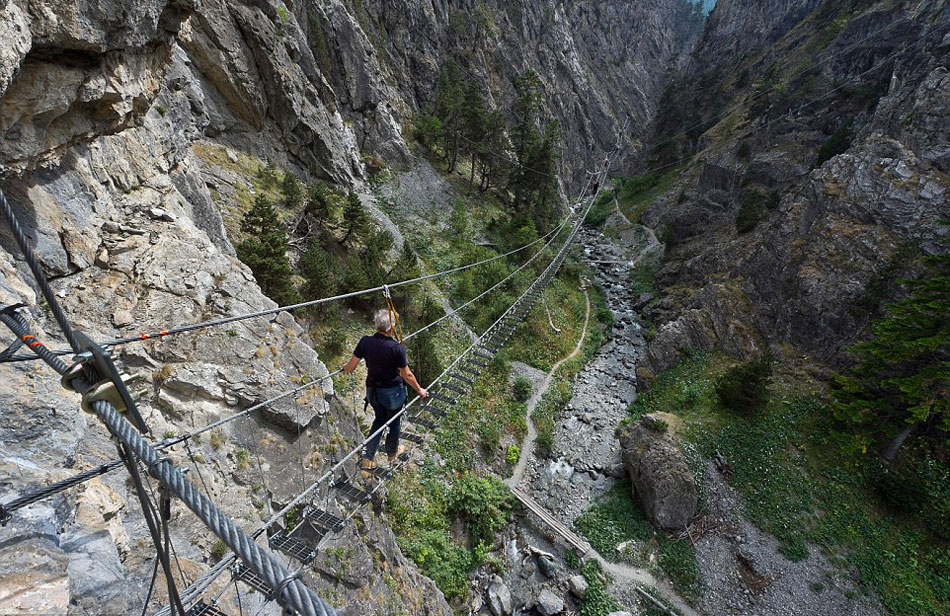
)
(384, 357)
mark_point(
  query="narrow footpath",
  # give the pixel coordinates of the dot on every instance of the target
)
(527, 445)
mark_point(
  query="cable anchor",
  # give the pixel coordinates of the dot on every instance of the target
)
(95, 366)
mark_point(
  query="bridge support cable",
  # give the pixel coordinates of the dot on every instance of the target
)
(7, 509)
(292, 594)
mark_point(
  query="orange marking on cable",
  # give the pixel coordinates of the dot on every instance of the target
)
(143, 336)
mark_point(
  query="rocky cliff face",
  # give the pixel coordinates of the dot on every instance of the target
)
(127, 132)
(829, 236)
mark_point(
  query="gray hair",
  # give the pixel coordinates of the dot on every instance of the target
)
(382, 321)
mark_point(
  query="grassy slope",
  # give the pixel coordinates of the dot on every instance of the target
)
(800, 487)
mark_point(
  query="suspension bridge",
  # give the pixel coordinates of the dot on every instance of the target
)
(292, 536)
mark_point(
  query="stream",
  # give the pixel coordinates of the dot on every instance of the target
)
(586, 460)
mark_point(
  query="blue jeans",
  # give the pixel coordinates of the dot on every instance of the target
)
(386, 402)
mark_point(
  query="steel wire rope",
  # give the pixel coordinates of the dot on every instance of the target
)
(39, 494)
(159, 334)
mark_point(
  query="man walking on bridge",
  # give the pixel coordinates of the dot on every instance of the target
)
(387, 372)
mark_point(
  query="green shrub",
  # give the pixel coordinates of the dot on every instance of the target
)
(512, 455)
(446, 563)
(597, 601)
(744, 387)
(521, 389)
(750, 213)
(484, 503)
(218, 550)
(744, 150)
(678, 561)
(837, 143)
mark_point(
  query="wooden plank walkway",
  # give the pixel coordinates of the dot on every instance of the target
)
(573, 540)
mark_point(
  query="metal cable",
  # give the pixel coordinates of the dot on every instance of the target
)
(38, 274)
(295, 594)
(41, 493)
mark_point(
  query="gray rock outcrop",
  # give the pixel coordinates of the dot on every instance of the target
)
(662, 481)
(549, 603)
(832, 239)
(499, 597)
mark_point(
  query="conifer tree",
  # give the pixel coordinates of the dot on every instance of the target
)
(449, 104)
(322, 202)
(315, 266)
(472, 126)
(354, 216)
(901, 381)
(291, 190)
(489, 157)
(265, 251)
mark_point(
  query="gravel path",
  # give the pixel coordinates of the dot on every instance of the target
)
(527, 445)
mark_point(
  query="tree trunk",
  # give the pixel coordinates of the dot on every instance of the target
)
(888, 455)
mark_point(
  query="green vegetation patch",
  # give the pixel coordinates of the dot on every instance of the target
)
(597, 601)
(800, 485)
(635, 194)
(613, 520)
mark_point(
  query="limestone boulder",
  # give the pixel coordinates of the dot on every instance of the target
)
(662, 481)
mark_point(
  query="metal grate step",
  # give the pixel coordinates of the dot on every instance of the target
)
(351, 492)
(437, 411)
(323, 520)
(438, 396)
(474, 362)
(421, 422)
(293, 547)
(383, 473)
(463, 379)
(484, 354)
(467, 368)
(243, 573)
(453, 387)
(412, 438)
(204, 609)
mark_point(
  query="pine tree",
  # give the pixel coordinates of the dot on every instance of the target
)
(318, 271)
(265, 251)
(489, 157)
(901, 381)
(449, 103)
(473, 120)
(375, 255)
(355, 217)
(323, 202)
(291, 190)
